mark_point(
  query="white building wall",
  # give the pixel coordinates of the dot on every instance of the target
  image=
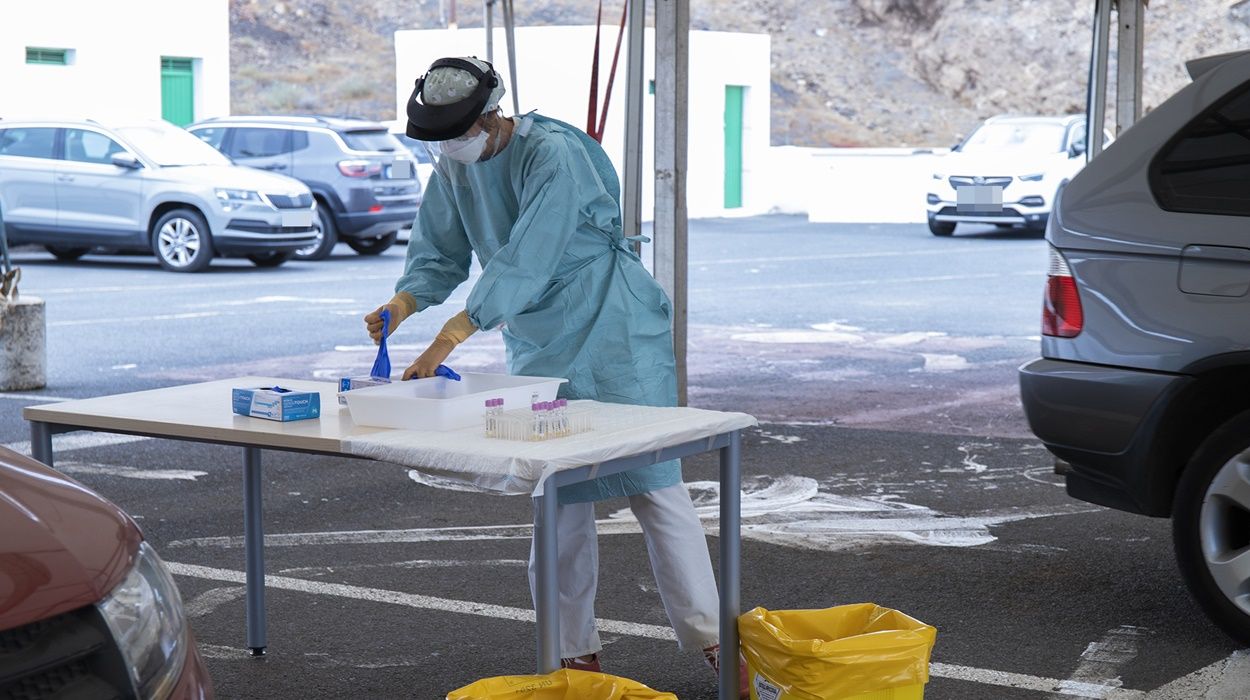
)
(117, 49)
(553, 77)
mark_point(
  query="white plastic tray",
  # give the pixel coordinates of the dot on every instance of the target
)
(438, 403)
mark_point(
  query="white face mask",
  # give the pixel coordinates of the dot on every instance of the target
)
(465, 149)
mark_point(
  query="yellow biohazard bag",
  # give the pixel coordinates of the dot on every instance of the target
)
(864, 652)
(565, 684)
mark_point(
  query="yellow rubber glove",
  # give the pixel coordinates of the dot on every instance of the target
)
(401, 306)
(457, 330)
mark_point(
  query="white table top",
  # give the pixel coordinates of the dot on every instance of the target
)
(514, 466)
(203, 412)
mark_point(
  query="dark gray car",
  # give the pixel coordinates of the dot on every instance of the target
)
(1143, 389)
(364, 180)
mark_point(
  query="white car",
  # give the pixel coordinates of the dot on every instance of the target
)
(75, 186)
(1007, 173)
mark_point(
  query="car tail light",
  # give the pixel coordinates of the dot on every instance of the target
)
(1062, 316)
(360, 168)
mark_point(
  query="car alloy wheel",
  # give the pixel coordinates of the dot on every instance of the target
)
(181, 241)
(1225, 544)
(1211, 526)
(313, 247)
(327, 237)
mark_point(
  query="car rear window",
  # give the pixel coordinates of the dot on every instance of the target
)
(1204, 169)
(28, 142)
(372, 140)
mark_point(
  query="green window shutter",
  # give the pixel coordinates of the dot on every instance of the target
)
(181, 65)
(48, 57)
(733, 146)
(177, 90)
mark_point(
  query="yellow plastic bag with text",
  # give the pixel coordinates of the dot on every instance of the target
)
(860, 652)
(565, 684)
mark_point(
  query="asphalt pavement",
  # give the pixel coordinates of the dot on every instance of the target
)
(892, 466)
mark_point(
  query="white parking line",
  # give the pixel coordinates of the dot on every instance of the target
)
(1038, 683)
(128, 472)
(78, 441)
(866, 282)
(133, 319)
(464, 607)
(836, 256)
(412, 564)
(240, 283)
(1102, 660)
(35, 397)
(412, 600)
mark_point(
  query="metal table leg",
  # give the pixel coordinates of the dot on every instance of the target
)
(254, 547)
(547, 598)
(41, 442)
(730, 563)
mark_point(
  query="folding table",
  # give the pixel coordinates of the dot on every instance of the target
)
(625, 438)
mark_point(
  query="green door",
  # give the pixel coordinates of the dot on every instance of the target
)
(177, 91)
(733, 146)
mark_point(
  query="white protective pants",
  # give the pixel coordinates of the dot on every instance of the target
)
(679, 560)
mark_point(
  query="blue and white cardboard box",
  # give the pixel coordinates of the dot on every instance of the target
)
(276, 403)
(349, 383)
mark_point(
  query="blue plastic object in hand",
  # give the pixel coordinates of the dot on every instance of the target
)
(445, 371)
(382, 364)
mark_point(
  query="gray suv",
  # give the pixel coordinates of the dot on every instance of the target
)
(147, 186)
(1143, 388)
(364, 180)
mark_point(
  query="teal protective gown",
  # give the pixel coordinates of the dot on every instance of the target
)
(572, 299)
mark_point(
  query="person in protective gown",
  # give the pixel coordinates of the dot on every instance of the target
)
(537, 201)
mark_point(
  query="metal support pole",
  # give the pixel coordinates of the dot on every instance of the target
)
(547, 597)
(41, 442)
(488, 13)
(254, 547)
(632, 186)
(730, 563)
(670, 258)
(1131, 17)
(509, 25)
(1096, 100)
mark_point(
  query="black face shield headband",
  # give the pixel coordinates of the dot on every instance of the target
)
(428, 122)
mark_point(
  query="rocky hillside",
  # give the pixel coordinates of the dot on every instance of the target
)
(845, 72)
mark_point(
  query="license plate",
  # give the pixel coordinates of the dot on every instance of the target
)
(296, 219)
(401, 170)
(979, 199)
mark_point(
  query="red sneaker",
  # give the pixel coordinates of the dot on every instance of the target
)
(582, 663)
(711, 656)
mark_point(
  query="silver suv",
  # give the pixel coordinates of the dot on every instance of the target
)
(1143, 389)
(147, 186)
(363, 179)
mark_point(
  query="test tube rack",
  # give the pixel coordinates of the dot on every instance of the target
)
(522, 424)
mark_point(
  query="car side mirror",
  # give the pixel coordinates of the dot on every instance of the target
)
(1076, 149)
(958, 141)
(127, 161)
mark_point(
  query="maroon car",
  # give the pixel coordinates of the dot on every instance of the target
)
(87, 608)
